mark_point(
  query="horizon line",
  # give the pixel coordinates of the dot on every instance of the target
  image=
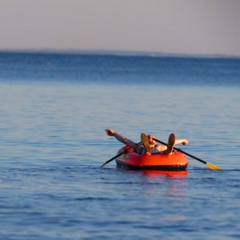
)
(127, 53)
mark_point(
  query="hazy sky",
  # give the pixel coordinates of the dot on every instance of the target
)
(170, 26)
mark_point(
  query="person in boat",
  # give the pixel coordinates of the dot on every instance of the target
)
(148, 142)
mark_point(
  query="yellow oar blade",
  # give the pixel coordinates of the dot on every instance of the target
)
(213, 167)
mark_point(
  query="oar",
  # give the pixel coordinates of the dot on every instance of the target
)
(125, 151)
(213, 167)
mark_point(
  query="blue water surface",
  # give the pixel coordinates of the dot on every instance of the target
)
(54, 109)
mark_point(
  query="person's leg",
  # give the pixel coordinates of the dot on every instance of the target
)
(145, 143)
(171, 142)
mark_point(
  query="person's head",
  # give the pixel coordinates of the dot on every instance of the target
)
(150, 139)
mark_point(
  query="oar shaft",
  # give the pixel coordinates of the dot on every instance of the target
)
(180, 150)
(112, 159)
(118, 155)
(200, 160)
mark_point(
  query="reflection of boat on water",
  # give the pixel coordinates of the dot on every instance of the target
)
(170, 174)
(176, 161)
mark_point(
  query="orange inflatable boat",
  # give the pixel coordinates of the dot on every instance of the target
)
(176, 161)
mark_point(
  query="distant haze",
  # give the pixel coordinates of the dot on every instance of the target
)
(167, 26)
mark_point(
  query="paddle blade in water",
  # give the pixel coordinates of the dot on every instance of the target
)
(103, 164)
(213, 167)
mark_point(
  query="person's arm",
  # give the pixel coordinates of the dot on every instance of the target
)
(181, 141)
(162, 147)
(119, 137)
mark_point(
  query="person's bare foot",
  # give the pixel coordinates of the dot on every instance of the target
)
(171, 142)
(145, 143)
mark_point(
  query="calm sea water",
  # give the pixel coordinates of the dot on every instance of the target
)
(53, 112)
